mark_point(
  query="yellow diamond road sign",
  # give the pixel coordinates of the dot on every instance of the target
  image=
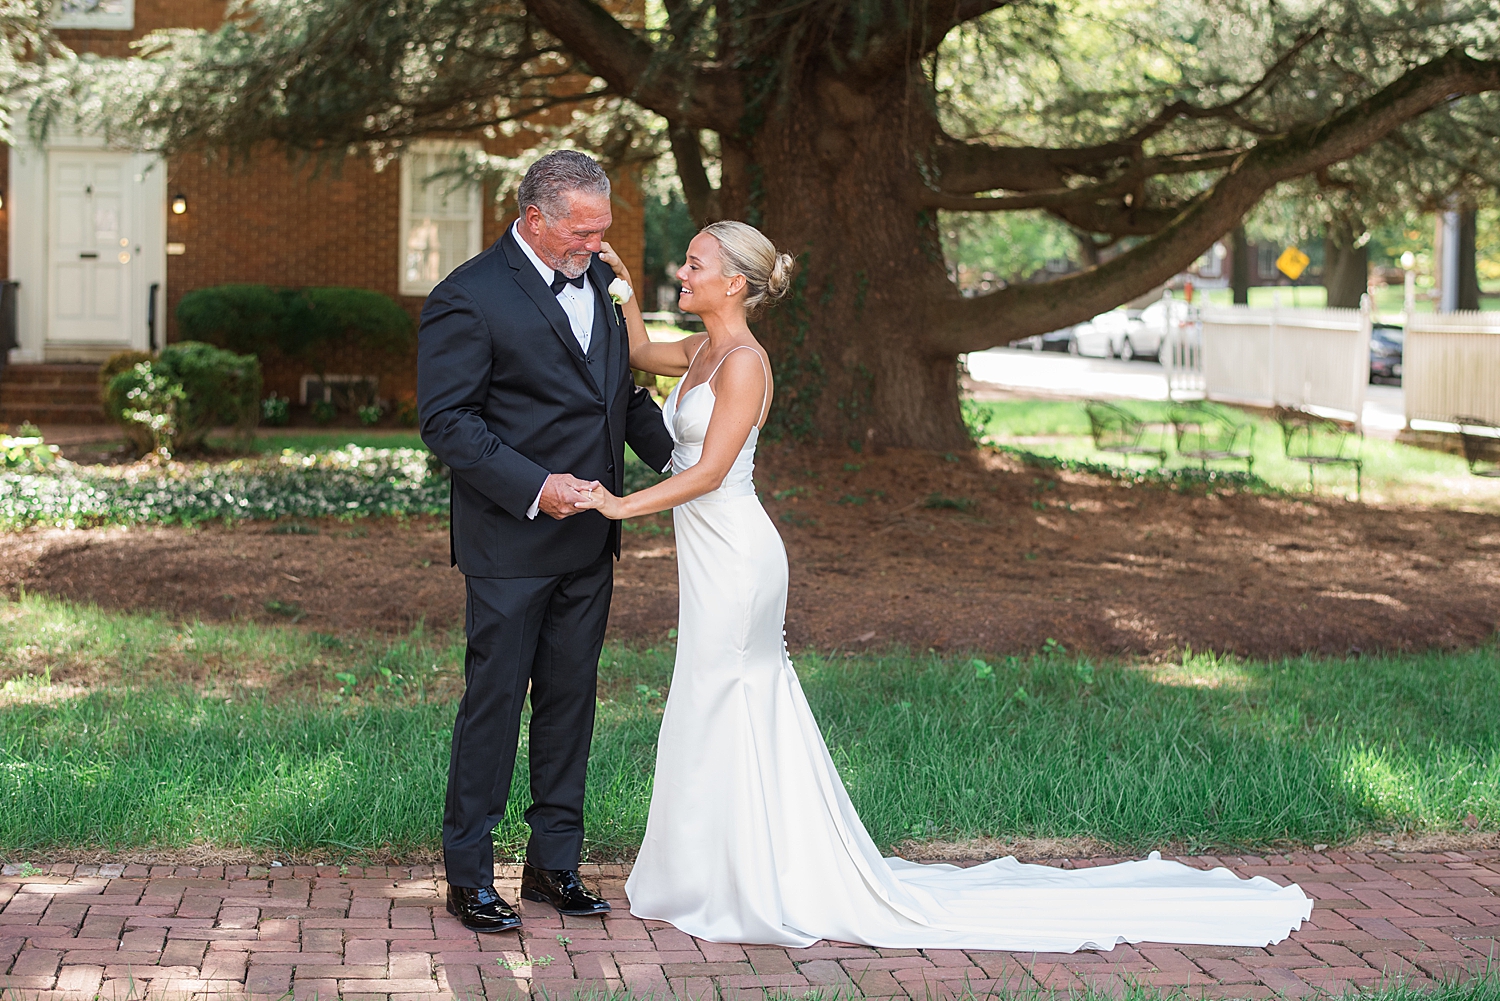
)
(1292, 262)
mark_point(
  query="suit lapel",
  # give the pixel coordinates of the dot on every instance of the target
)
(612, 328)
(531, 283)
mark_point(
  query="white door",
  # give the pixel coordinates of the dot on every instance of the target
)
(90, 247)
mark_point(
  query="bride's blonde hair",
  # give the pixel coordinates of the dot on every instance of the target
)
(745, 251)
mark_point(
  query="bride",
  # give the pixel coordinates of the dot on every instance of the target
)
(751, 837)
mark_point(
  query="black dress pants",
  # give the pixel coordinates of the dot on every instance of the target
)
(546, 632)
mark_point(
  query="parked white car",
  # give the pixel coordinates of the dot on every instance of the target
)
(1103, 336)
(1156, 321)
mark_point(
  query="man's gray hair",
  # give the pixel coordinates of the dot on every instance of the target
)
(548, 181)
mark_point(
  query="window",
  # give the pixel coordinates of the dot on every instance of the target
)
(117, 15)
(440, 217)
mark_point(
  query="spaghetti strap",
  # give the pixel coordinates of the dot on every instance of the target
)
(765, 393)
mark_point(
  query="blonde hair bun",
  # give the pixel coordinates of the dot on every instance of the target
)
(745, 251)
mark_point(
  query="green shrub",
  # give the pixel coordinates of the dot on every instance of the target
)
(299, 323)
(324, 412)
(26, 452)
(138, 435)
(370, 414)
(183, 394)
(275, 410)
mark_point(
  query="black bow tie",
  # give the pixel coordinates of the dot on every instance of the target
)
(559, 280)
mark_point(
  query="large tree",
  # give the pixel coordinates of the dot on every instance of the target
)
(844, 127)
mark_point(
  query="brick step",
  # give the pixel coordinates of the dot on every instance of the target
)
(26, 392)
(15, 414)
(49, 375)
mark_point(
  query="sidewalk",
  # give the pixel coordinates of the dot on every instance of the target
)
(1043, 374)
(75, 933)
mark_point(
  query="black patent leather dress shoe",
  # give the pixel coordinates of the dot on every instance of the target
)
(562, 889)
(481, 909)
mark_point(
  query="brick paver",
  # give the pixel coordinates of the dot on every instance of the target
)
(122, 932)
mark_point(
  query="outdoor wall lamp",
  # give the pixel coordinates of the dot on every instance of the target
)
(179, 204)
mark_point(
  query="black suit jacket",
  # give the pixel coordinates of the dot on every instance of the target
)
(505, 397)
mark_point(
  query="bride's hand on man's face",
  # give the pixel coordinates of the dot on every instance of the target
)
(601, 500)
(608, 256)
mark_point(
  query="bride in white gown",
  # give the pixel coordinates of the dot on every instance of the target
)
(751, 836)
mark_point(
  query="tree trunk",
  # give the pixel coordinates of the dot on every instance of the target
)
(1468, 263)
(830, 185)
(1346, 268)
(1239, 266)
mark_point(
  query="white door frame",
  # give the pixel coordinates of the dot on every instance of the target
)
(29, 204)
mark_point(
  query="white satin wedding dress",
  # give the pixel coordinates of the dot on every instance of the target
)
(752, 838)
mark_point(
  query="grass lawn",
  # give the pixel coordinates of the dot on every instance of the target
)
(121, 731)
(1393, 472)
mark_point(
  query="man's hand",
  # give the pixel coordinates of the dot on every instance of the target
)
(561, 494)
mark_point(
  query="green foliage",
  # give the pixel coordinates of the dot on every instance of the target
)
(1208, 751)
(275, 410)
(183, 394)
(301, 323)
(323, 411)
(669, 229)
(1184, 478)
(639, 476)
(26, 452)
(370, 414)
(349, 482)
(987, 250)
(800, 374)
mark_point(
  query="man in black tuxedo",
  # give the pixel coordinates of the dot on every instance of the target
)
(524, 391)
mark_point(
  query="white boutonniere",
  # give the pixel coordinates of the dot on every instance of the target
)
(620, 293)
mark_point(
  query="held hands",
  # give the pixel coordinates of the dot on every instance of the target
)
(601, 500)
(561, 493)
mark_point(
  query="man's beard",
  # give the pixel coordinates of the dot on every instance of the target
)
(573, 265)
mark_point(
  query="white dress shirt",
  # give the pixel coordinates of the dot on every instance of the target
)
(577, 303)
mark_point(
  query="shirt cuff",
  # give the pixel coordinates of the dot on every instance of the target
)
(536, 505)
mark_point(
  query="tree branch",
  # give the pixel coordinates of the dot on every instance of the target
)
(692, 96)
(894, 49)
(1052, 198)
(702, 199)
(1229, 110)
(973, 324)
(966, 168)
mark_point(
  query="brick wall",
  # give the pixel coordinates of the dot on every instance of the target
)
(276, 222)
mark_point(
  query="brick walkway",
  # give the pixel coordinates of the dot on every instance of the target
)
(75, 933)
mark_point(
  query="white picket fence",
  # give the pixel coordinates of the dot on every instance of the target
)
(1451, 367)
(1316, 359)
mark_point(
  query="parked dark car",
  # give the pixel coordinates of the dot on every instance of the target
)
(1054, 340)
(1386, 343)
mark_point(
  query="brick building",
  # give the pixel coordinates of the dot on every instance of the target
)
(103, 244)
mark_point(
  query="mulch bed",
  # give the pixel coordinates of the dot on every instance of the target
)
(901, 549)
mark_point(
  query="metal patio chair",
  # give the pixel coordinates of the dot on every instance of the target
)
(1119, 431)
(1481, 440)
(1209, 435)
(1315, 440)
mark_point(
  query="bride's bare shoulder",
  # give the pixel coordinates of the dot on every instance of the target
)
(745, 364)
